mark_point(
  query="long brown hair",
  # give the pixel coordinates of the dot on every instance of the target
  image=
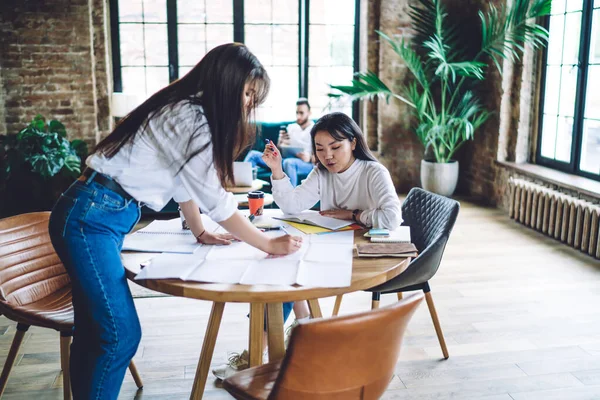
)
(217, 84)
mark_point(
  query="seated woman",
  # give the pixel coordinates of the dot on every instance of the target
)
(348, 181)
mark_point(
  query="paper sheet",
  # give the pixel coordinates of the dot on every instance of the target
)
(160, 243)
(322, 261)
(169, 266)
(219, 272)
(273, 271)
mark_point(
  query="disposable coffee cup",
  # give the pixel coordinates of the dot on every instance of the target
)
(256, 202)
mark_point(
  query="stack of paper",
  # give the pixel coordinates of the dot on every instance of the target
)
(322, 261)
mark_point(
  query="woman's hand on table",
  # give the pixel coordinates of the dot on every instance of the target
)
(283, 245)
(337, 214)
(216, 238)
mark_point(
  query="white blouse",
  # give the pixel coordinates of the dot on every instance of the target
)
(149, 168)
(366, 185)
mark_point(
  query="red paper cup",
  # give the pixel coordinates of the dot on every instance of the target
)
(256, 202)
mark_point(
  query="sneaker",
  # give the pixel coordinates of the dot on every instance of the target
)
(237, 362)
(288, 332)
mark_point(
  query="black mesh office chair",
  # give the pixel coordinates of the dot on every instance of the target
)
(431, 218)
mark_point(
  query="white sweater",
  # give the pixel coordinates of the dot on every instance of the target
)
(366, 185)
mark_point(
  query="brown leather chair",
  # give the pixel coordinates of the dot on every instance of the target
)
(35, 288)
(348, 357)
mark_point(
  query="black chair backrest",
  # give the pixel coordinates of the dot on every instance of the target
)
(431, 218)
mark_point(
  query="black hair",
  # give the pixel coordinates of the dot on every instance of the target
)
(217, 84)
(342, 127)
(302, 101)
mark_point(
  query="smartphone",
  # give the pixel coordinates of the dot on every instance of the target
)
(283, 128)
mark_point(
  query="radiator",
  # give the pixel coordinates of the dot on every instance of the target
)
(559, 215)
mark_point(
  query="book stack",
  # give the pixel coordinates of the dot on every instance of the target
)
(386, 250)
(386, 243)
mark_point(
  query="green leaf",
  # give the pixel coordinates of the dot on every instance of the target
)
(80, 147)
(56, 127)
(38, 123)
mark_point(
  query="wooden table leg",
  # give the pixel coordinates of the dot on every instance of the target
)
(257, 329)
(275, 331)
(207, 350)
(315, 308)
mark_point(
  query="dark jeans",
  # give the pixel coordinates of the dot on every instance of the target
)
(292, 166)
(87, 227)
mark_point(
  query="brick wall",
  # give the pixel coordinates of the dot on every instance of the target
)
(47, 65)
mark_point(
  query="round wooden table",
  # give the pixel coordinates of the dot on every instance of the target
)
(366, 273)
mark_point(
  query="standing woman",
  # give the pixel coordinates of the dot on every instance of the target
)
(180, 144)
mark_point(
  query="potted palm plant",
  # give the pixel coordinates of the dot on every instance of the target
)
(443, 94)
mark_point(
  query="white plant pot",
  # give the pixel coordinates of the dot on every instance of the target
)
(440, 178)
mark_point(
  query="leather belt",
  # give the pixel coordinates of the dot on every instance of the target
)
(107, 182)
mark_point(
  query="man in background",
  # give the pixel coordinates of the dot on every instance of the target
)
(295, 135)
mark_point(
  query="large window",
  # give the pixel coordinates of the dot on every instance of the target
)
(305, 45)
(570, 101)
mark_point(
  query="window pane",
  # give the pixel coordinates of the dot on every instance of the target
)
(574, 5)
(132, 44)
(568, 89)
(285, 45)
(191, 11)
(134, 80)
(572, 37)
(130, 11)
(155, 37)
(156, 79)
(191, 43)
(551, 90)
(590, 147)
(548, 136)
(332, 12)
(259, 12)
(184, 70)
(595, 39)
(219, 11)
(281, 102)
(259, 41)
(592, 98)
(217, 35)
(155, 11)
(555, 42)
(285, 12)
(335, 45)
(564, 136)
(318, 86)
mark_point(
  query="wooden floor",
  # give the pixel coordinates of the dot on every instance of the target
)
(520, 312)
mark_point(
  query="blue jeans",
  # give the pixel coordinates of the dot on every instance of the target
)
(87, 227)
(255, 157)
(292, 166)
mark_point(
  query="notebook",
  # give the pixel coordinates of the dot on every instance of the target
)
(386, 250)
(166, 236)
(314, 218)
(398, 235)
